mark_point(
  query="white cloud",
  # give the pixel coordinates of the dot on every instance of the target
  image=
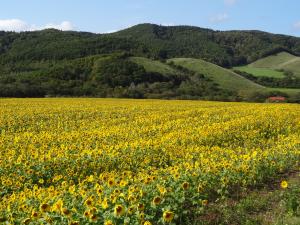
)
(13, 25)
(20, 25)
(230, 2)
(65, 25)
(297, 25)
(219, 18)
(168, 24)
(110, 31)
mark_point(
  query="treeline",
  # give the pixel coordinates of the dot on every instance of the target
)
(57, 63)
(110, 75)
(289, 81)
(229, 48)
(148, 40)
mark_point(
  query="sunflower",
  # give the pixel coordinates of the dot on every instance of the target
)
(72, 189)
(156, 200)
(93, 210)
(108, 222)
(113, 198)
(123, 183)
(94, 218)
(131, 198)
(58, 205)
(168, 216)
(119, 210)
(66, 212)
(176, 176)
(104, 204)
(117, 191)
(111, 182)
(88, 202)
(185, 185)
(34, 214)
(141, 207)
(41, 181)
(204, 202)
(45, 207)
(162, 190)
(26, 221)
(142, 216)
(131, 209)
(147, 223)
(284, 184)
(100, 191)
(86, 214)
(74, 223)
(200, 188)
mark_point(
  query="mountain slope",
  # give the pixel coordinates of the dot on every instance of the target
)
(154, 66)
(130, 63)
(224, 77)
(273, 61)
(276, 66)
(225, 48)
(282, 60)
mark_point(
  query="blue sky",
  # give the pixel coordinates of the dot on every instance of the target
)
(277, 16)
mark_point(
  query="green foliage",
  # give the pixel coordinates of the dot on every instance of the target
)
(260, 72)
(291, 200)
(132, 62)
(222, 48)
(226, 79)
(277, 65)
(288, 81)
(108, 75)
(118, 72)
(148, 40)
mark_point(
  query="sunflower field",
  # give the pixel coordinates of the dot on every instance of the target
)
(111, 162)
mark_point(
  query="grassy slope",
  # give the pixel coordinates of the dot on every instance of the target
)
(154, 66)
(225, 78)
(268, 65)
(289, 91)
(293, 65)
(273, 61)
(260, 72)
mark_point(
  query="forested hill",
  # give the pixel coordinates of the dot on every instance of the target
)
(144, 61)
(223, 48)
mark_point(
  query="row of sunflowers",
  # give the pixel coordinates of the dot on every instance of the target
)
(111, 162)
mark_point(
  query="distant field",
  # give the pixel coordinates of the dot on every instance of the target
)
(268, 65)
(261, 72)
(274, 61)
(224, 77)
(289, 91)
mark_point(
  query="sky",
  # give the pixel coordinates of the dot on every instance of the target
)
(104, 16)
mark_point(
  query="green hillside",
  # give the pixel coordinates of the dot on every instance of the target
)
(283, 60)
(274, 66)
(225, 48)
(293, 92)
(273, 61)
(224, 77)
(154, 66)
(278, 72)
(131, 63)
(293, 66)
(261, 72)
